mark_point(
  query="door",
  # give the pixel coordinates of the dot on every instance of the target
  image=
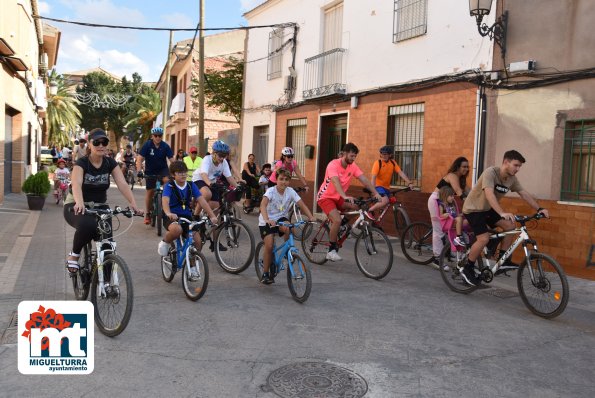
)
(7, 151)
(333, 136)
(260, 144)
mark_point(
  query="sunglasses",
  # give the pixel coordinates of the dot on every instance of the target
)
(222, 155)
(100, 142)
(289, 156)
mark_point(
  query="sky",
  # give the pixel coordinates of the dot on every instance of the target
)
(123, 52)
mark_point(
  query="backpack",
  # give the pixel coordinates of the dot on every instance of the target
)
(179, 197)
(380, 163)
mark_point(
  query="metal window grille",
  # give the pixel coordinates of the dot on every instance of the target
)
(275, 54)
(261, 144)
(410, 19)
(578, 165)
(406, 134)
(296, 138)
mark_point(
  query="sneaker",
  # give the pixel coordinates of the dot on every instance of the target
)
(266, 278)
(459, 241)
(332, 255)
(163, 248)
(446, 268)
(435, 264)
(147, 219)
(469, 276)
(194, 274)
(370, 215)
(222, 248)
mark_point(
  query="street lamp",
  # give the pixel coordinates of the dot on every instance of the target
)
(53, 88)
(497, 32)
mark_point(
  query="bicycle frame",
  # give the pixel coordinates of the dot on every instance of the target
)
(522, 239)
(285, 250)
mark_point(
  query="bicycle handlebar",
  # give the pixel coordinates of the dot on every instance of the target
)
(524, 219)
(292, 225)
(127, 212)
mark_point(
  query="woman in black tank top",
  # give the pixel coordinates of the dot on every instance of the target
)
(250, 175)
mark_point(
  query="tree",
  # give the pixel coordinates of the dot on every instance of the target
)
(62, 112)
(223, 88)
(142, 111)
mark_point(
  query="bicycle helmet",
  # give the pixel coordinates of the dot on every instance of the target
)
(287, 151)
(386, 149)
(157, 131)
(220, 146)
(128, 146)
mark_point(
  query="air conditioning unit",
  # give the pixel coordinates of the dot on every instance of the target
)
(523, 66)
(289, 83)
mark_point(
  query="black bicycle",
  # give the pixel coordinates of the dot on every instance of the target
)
(157, 211)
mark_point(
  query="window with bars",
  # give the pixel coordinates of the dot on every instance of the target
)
(406, 135)
(260, 144)
(410, 19)
(275, 54)
(296, 138)
(578, 165)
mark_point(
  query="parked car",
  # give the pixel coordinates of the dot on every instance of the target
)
(45, 156)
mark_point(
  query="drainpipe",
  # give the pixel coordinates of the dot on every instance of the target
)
(482, 133)
(476, 136)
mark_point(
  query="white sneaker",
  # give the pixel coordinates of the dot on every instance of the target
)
(446, 268)
(163, 248)
(459, 241)
(333, 256)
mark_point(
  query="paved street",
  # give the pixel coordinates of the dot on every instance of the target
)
(406, 335)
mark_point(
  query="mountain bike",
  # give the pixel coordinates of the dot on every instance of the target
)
(541, 281)
(286, 255)
(106, 275)
(157, 211)
(400, 214)
(416, 243)
(373, 250)
(184, 255)
(130, 174)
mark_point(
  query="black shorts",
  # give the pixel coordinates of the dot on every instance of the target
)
(151, 182)
(215, 193)
(267, 229)
(480, 221)
(167, 222)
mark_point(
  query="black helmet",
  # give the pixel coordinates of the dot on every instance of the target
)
(386, 149)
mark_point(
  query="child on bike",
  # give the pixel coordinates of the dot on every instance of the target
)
(61, 173)
(265, 178)
(449, 214)
(177, 201)
(274, 207)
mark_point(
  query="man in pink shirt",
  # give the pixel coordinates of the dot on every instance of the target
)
(332, 197)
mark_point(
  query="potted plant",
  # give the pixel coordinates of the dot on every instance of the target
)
(37, 186)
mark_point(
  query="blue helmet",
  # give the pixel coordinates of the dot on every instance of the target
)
(387, 149)
(157, 131)
(220, 146)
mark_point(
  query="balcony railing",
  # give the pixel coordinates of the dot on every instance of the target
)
(323, 74)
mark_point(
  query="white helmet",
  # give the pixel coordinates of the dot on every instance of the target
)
(287, 151)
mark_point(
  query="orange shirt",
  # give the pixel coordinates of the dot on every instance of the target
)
(384, 174)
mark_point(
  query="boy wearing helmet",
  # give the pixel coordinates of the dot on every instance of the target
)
(382, 174)
(288, 163)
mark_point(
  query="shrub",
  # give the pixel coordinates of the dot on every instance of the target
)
(37, 184)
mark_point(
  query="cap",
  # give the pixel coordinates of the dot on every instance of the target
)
(97, 134)
(193, 149)
(61, 161)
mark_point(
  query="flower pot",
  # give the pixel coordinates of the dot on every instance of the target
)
(35, 202)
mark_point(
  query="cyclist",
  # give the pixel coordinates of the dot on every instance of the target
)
(265, 178)
(332, 196)
(482, 209)
(127, 158)
(274, 208)
(61, 172)
(288, 163)
(192, 161)
(155, 153)
(382, 174)
(213, 169)
(90, 182)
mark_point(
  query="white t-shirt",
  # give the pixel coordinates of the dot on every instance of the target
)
(279, 205)
(66, 153)
(64, 173)
(213, 171)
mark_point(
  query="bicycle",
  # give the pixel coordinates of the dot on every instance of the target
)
(130, 174)
(225, 238)
(400, 214)
(373, 250)
(105, 273)
(184, 255)
(416, 243)
(295, 216)
(538, 270)
(62, 191)
(299, 278)
(157, 211)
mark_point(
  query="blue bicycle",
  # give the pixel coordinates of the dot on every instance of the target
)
(183, 255)
(299, 278)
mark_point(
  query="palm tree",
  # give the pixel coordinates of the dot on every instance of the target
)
(62, 112)
(142, 112)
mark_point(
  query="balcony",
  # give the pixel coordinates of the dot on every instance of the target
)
(323, 74)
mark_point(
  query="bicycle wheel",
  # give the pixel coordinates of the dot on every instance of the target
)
(299, 279)
(195, 286)
(169, 264)
(131, 179)
(81, 279)
(373, 253)
(295, 216)
(234, 246)
(159, 215)
(316, 242)
(416, 243)
(113, 301)
(452, 275)
(401, 220)
(259, 260)
(546, 293)
(153, 212)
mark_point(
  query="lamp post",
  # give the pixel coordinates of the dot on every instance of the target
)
(496, 32)
(53, 88)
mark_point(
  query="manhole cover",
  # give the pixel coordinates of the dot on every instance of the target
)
(9, 335)
(316, 379)
(501, 293)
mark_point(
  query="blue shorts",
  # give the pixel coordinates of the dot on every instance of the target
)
(383, 191)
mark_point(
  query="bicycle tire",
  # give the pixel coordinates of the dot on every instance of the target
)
(315, 245)
(402, 220)
(194, 290)
(301, 278)
(452, 276)
(228, 236)
(153, 212)
(169, 264)
(81, 280)
(375, 244)
(544, 288)
(115, 326)
(159, 215)
(131, 179)
(416, 243)
(258, 261)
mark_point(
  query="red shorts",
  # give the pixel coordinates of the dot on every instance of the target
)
(327, 204)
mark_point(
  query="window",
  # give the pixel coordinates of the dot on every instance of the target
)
(260, 144)
(578, 165)
(410, 19)
(275, 54)
(296, 138)
(333, 28)
(406, 134)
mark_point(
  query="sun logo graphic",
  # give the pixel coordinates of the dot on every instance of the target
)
(56, 337)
